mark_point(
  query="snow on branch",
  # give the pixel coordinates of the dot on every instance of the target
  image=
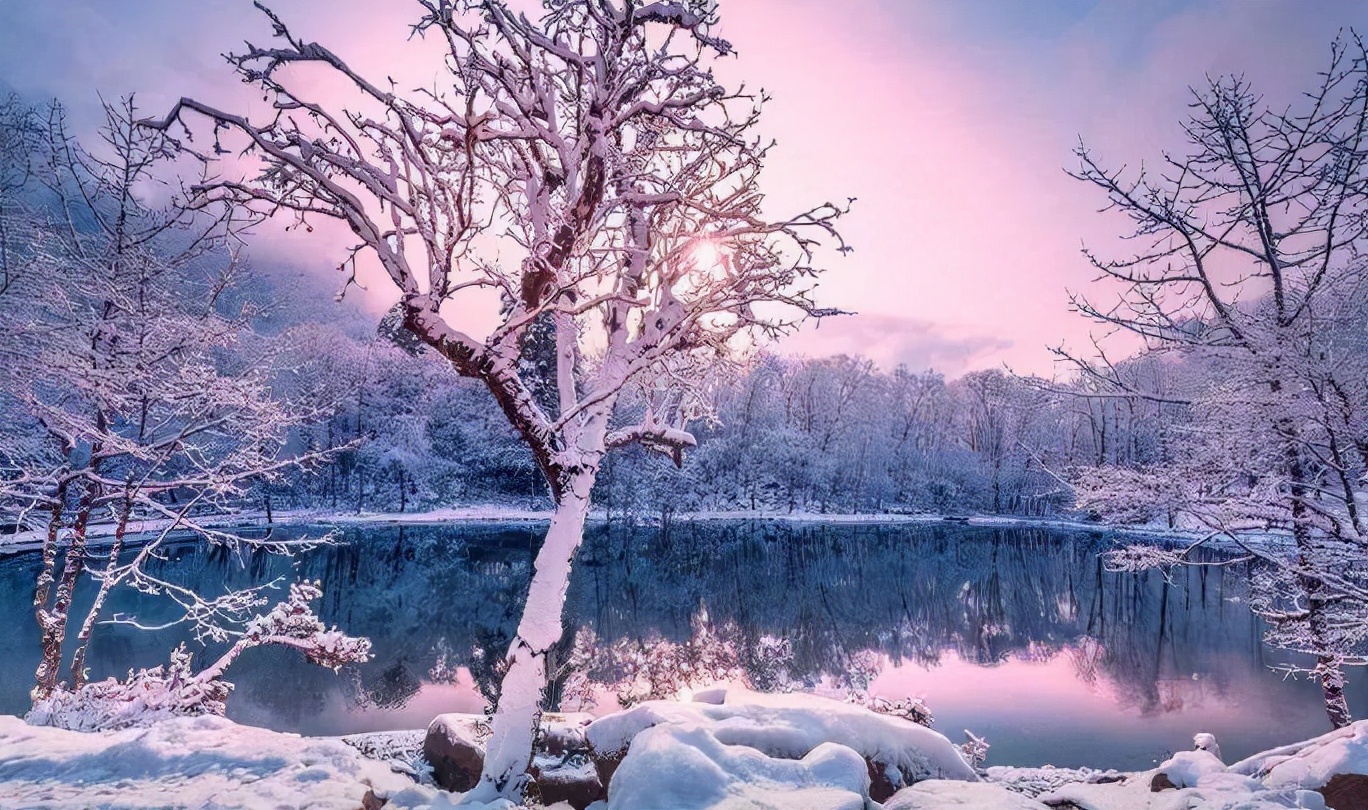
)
(173, 689)
(1138, 557)
(668, 440)
(292, 623)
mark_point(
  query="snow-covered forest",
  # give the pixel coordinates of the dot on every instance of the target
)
(563, 296)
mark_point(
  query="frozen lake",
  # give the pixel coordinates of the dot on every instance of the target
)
(1017, 634)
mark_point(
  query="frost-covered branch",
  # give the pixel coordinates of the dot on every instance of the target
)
(147, 695)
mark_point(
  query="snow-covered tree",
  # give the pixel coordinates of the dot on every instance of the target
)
(1250, 272)
(582, 178)
(128, 396)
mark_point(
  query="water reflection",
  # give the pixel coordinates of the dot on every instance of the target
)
(1018, 634)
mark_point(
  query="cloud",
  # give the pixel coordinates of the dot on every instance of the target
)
(891, 340)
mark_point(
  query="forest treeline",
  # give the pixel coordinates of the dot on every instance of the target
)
(834, 434)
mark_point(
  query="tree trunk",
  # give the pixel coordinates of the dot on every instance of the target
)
(53, 623)
(1331, 675)
(48, 575)
(509, 750)
(107, 582)
(1327, 671)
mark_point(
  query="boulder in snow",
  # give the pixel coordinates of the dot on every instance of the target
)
(1184, 769)
(570, 780)
(685, 767)
(454, 749)
(1335, 764)
(561, 767)
(788, 726)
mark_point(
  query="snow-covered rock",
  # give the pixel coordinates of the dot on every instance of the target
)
(1311, 764)
(185, 762)
(453, 747)
(787, 727)
(1186, 768)
(942, 794)
(1206, 742)
(686, 767)
(1334, 764)
(1190, 780)
(561, 766)
(1218, 792)
(571, 781)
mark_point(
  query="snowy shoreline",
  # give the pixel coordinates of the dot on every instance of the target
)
(103, 533)
(726, 748)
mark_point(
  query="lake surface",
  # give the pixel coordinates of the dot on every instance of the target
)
(1017, 634)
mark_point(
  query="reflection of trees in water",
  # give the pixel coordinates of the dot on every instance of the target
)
(431, 597)
(910, 593)
(1166, 640)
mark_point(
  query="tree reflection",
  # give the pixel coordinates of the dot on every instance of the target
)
(843, 600)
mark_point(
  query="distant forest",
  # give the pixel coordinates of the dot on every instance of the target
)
(823, 435)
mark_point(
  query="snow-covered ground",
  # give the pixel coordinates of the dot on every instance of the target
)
(185, 762)
(99, 533)
(728, 749)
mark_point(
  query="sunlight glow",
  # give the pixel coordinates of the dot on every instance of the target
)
(707, 257)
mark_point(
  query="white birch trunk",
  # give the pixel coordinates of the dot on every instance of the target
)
(509, 750)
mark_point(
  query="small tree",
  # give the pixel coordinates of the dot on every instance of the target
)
(1250, 271)
(585, 178)
(128, 395)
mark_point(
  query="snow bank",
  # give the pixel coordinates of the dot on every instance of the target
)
(1034, 781)
(184, 762)
(1218, 792)
(1313, 763)
(730, 750)
(739, 747)
(1286, 777)
(679, 767)
(1187, 768)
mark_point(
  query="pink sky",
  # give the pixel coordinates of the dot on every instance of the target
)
(951, 122)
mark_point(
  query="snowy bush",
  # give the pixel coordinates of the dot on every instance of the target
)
(175, 689)
(908, 708)
(974, 749)
(144, 697)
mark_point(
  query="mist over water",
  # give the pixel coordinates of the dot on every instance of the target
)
(1017, 634)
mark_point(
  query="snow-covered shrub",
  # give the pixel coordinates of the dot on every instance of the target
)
(144, 697)
(172, 689)
(974, 749)
(908, 708)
